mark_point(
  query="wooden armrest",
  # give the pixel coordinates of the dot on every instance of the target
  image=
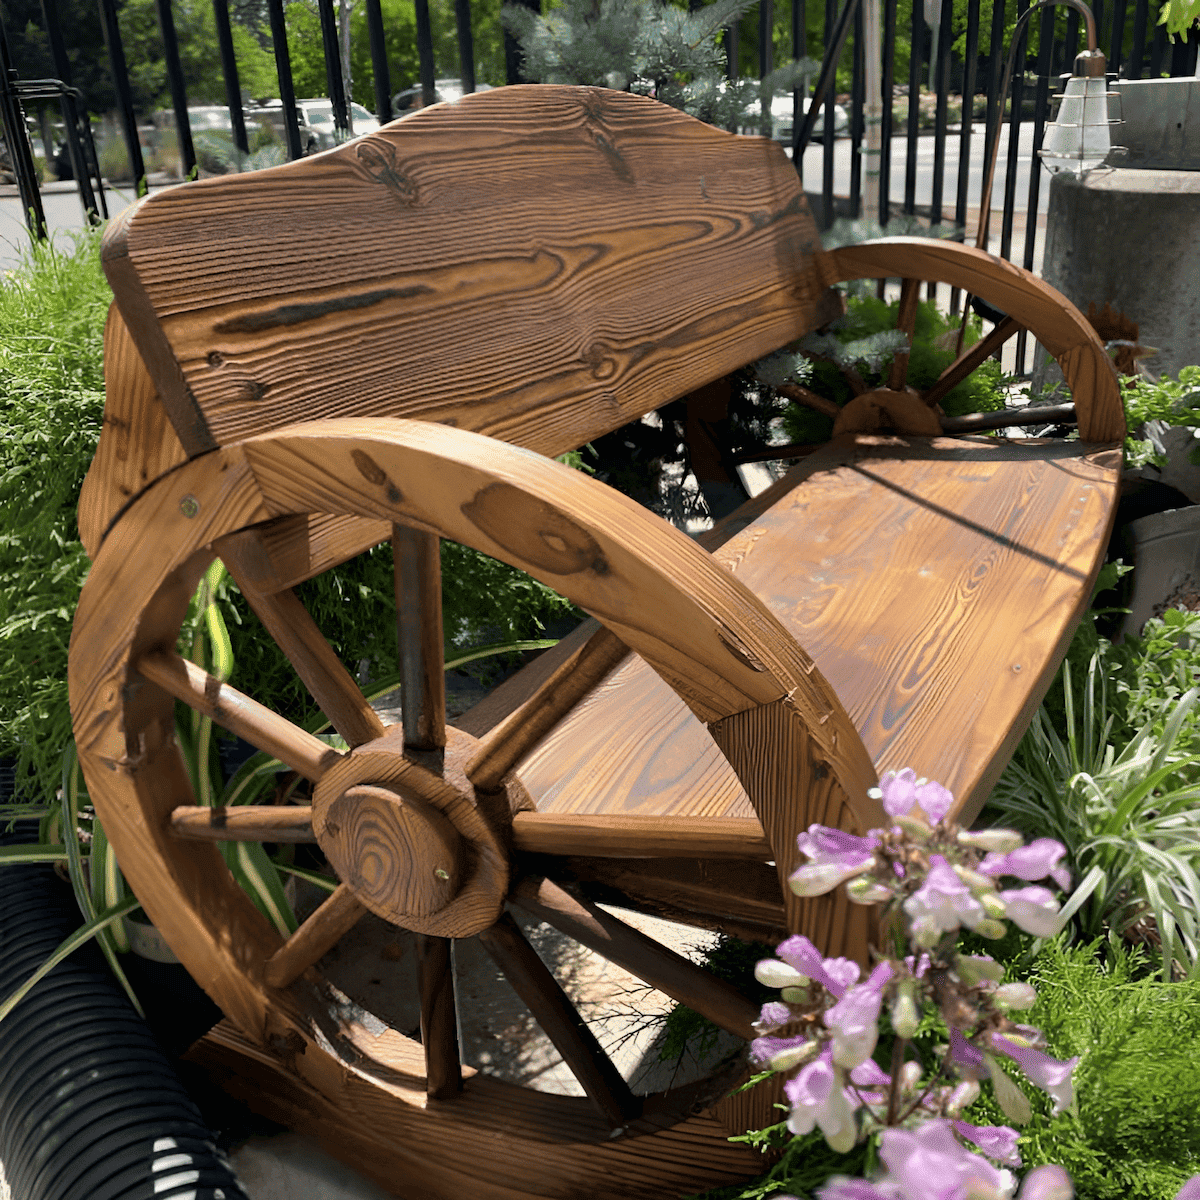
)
(1057, 323)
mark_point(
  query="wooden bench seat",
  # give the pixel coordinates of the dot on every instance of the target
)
(934, 582)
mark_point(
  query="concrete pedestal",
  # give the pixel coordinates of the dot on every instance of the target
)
(1131, 238)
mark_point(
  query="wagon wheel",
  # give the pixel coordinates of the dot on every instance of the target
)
(420, 828)
(1019, 302)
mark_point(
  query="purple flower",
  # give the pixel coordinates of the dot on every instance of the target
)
(929, 1163)
(1050, 1182)
(900, 790)
(774, 1014)
(998, 1142)
(1052, 1076)
(835, 857)
(817, 1096)
(870, 1074)
(854, 1019)
(834, 974)
(941, 904)
(841, 1188)
(963, 1053)
(780, 1054)
(1034, 909)
(1036, 861)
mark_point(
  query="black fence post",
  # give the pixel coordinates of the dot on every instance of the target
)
(914, 105)
(466, 44)
(233, 91)
(380, 73)
(179, 105)
(283, 68)
(425, 51)
(889, 88)
(16, 136)
(80, 167)
(513, 62)
(120, 77)
(333, 67)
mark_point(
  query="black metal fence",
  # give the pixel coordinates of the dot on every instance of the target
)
(949, 57)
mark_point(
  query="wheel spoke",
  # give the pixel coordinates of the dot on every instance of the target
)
(513, 738)
(439, 1018)
(315, 938)
(906, 320)
(810, 399)
(244, 823)
(642, 956)
(306, 754)
(968, 361)
(558, 1017)
(614, 836)
(418, 576)
(297, 635)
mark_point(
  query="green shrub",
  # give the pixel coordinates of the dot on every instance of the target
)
(52, 308)
(865, 334)
(1134, 1134)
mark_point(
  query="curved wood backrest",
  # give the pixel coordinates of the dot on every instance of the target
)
(540, 263)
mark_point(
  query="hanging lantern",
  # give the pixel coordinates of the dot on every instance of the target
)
(1079, 139)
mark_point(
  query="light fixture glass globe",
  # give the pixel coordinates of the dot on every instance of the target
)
(1078, 140)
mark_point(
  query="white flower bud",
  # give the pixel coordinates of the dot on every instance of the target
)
(1002, 841)
(987, 928)
(770, 972)
(963, 1096)
(795, 995)
(973, 968)
(1015, 996)
(910, 1077)
(992, 904)
(785, 1060)
(980, 885)
(905, 1017)
(912, 825)
(865, 890)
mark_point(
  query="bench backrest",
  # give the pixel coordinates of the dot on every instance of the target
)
(541, 264)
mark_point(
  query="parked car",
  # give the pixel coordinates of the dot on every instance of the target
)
(781, 120)
(410, 98)
(318, 115)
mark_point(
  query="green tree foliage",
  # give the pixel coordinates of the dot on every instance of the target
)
(200, 57)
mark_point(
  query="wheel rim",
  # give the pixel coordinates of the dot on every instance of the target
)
(125, 732)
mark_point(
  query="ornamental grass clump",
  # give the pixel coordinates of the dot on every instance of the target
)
(932, 880)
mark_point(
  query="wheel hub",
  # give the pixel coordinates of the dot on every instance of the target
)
(412, 844)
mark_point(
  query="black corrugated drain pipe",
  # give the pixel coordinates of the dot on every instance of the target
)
(90, 1108)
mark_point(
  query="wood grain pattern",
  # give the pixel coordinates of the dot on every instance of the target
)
(1056, 323)
(439, 1020)
(523, 199)
(137, 443)
(555, 1143)
(307, 755)
(480, 878)
(298, 636)
(650, 584)
(906, 319)
(514, 737)
(315, 937)
(651, 962)
(554, 1012)
(400, 854)
(244, 823)
(740, 898)
(418, 587)
(622, 835)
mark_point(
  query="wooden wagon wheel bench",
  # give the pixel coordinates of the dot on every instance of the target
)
(389, 340)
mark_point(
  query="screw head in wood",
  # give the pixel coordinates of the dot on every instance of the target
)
(189, 506)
